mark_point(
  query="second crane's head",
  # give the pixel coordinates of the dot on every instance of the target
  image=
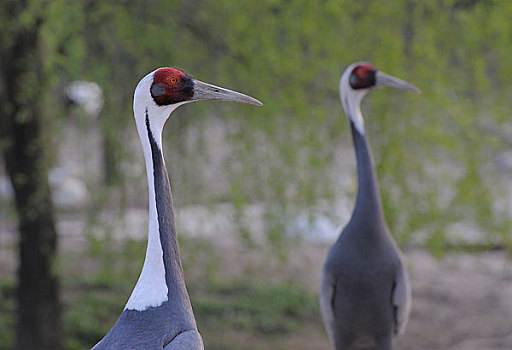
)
(160, 92)
(357, 80)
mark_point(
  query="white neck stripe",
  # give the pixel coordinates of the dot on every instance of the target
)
(151, 288)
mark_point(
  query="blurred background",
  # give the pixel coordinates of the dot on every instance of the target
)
(260, 193)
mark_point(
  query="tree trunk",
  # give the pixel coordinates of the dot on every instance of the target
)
(22, 81)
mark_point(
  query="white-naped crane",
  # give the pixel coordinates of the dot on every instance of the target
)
(365, 296)
(159, 314)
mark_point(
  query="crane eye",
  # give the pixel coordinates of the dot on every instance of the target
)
(173, 80)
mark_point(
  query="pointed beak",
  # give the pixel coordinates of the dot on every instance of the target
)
(383, 79)
(204, 91)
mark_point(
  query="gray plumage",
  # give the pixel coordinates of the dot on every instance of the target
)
(365, 296)
(154, 328)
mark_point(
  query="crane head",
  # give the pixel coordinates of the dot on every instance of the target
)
(171, 86)
(160, 92)
(364, 76)
(360, 78)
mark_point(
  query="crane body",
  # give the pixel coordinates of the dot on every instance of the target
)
(365, 294)
(158, 314)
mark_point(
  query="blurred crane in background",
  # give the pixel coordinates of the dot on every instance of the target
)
(158, 314)
(365, 294)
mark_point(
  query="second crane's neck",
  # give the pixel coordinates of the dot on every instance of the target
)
(162, 274)
(368, 204)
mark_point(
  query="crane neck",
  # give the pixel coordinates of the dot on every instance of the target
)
(162, 277)
(368, 206)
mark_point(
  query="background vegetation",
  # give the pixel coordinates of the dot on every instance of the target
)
(440, 157)
(290, 54)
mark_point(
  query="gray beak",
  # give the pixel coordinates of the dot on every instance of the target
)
(204, 91)
(383, 79)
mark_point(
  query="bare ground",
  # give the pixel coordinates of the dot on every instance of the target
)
(461, 302)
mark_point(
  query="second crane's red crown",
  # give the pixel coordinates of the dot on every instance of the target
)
(363, 76)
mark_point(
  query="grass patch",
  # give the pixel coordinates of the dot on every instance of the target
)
(95, 295)
(249, 305)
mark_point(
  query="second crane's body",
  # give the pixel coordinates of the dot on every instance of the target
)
(365, 296)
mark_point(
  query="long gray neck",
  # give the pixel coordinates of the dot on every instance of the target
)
(177, 292)
(368, 204)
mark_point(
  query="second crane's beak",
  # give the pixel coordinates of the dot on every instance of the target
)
(204, 91)
(382, 79)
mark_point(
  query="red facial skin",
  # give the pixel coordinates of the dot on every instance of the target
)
(171, 86)
(363, 76)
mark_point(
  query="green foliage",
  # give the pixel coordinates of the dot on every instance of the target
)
(425, 146)
(92, 292)
(7, 320)
(290, 55)
(87, 320)
(434, 152)
(249, 305)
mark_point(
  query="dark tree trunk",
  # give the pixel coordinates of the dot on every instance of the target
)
(22, 83)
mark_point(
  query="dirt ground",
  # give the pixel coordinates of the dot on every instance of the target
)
(461, 302)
